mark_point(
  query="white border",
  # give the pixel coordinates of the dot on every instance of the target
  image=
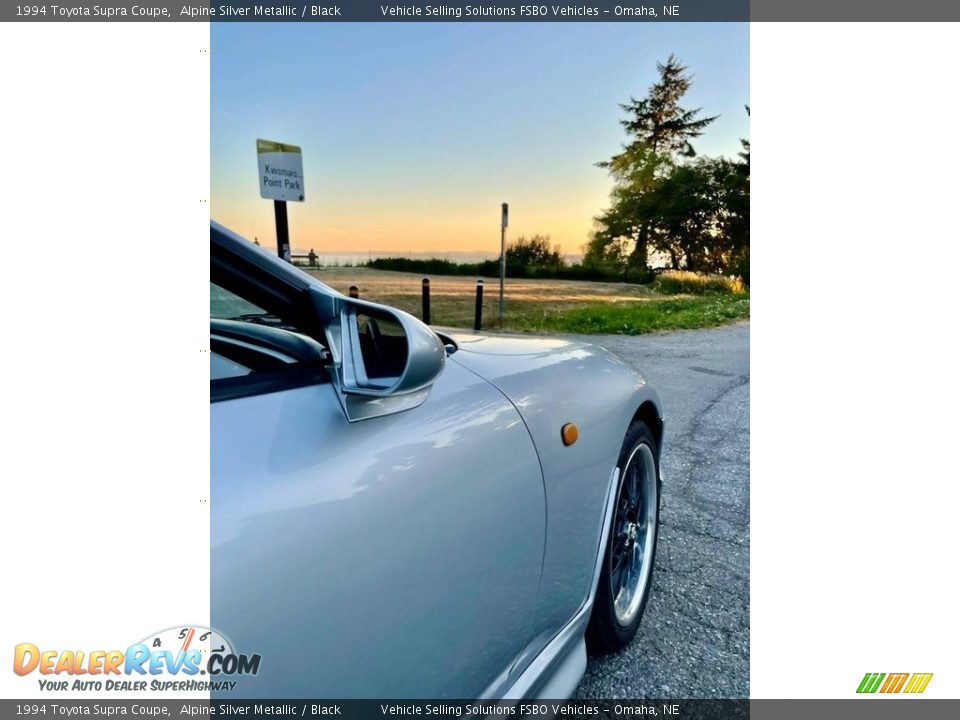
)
(105, 465)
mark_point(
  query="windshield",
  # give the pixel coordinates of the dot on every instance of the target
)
(224, 305)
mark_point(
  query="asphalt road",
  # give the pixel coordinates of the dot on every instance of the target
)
(694, 640)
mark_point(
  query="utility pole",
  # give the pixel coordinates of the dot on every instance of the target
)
(504, 210)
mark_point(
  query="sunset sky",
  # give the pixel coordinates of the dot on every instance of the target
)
(413, 134)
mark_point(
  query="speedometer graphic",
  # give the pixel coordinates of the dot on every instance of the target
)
(191, 650)
(181, 640)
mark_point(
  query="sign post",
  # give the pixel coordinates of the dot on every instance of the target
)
(281, 180)
(504, 211)
(283, 229)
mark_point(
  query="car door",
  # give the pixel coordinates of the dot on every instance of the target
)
(395, 556)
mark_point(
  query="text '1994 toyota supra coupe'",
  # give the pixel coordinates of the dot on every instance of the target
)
(399, 512)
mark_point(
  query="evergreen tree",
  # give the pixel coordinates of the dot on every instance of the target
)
(737, 222)
(658, 122)
(660, 130)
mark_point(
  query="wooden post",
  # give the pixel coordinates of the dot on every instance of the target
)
(426, 300)
(478, 308)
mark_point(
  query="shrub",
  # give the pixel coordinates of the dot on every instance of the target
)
(535, 252)
(741, 267)
(432, 266)
(677, 282)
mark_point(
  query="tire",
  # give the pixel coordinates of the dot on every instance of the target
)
(617, 612)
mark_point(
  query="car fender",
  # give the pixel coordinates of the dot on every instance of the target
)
(553, 382)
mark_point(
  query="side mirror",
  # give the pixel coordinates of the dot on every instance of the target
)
(385, 360)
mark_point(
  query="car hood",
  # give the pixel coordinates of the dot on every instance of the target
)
(498, 358)
(476, 343)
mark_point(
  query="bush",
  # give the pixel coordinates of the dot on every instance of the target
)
(491, 269)
(741, 267)
(432, 266)
(535, 252)
(684, 282)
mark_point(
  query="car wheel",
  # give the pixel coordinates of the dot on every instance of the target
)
(627, 571)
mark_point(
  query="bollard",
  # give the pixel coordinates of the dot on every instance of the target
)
(354, 291)
(426, 300)
(478, 309)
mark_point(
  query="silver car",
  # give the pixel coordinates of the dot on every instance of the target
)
(409, 513)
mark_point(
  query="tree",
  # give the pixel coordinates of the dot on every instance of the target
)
(738, 222)
(659, 129)
(658, 122)
(682, 211)
(603, 252)
(535, 252)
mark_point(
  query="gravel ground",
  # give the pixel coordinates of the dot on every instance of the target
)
(694, 640)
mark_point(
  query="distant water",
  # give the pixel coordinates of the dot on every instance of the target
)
(334, 259)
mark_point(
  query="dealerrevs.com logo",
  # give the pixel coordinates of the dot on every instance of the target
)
(182, 659)
(911, 683)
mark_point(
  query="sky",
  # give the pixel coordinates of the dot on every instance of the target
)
(413, 134)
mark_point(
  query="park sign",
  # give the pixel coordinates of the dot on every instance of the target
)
(281, 171)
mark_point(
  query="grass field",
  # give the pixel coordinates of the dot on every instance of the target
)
(544, 305)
